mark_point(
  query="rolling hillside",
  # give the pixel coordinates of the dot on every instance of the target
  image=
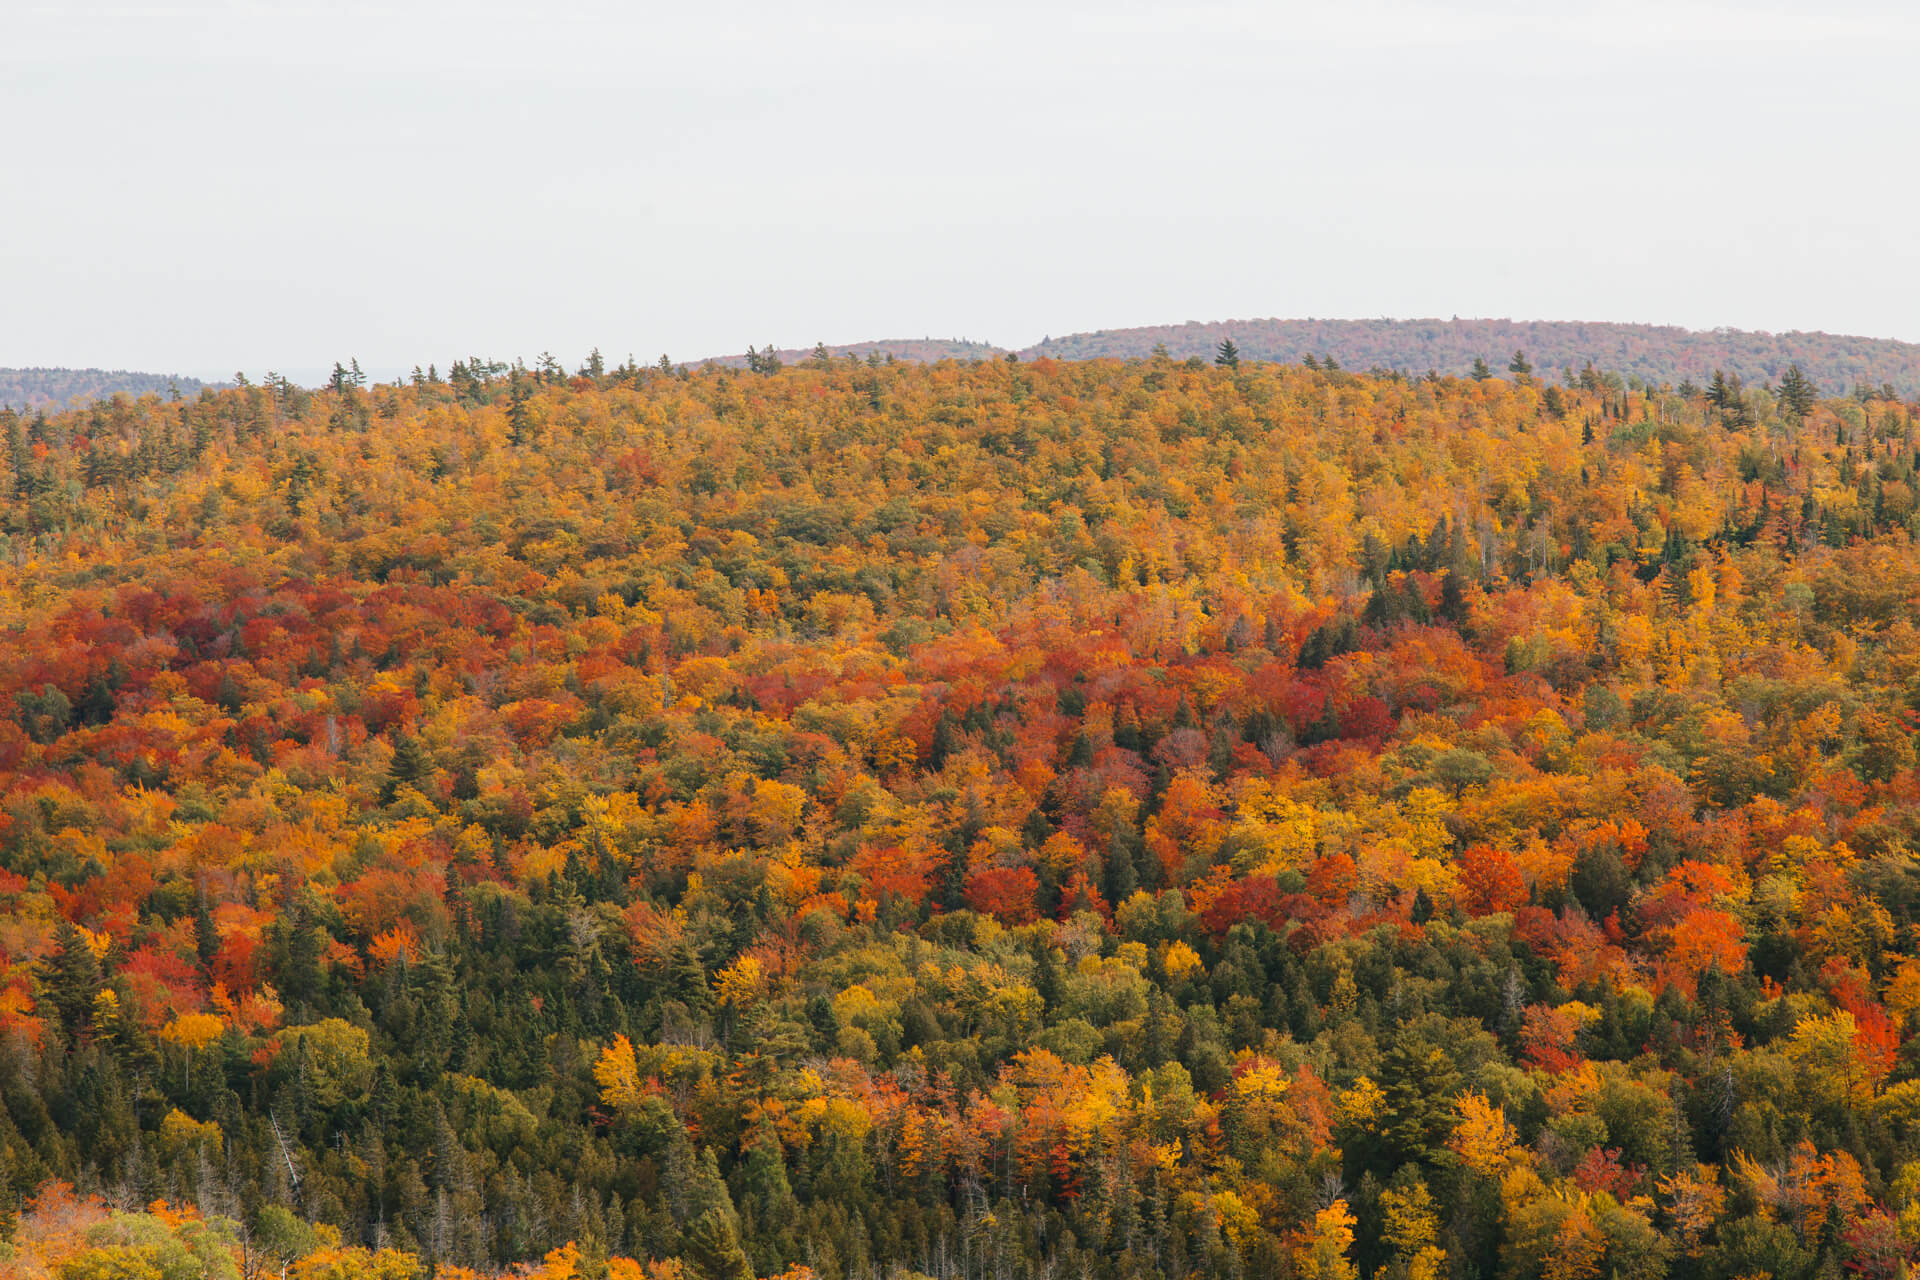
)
(50, 388)
(967, 820)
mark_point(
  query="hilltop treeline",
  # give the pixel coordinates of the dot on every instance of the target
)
(925, 350)
(1112, 818)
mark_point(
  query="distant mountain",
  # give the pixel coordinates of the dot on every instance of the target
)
(1656, 354)
(922, 350)
(56, 388)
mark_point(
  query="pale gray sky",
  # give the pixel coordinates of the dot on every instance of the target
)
(199, 187)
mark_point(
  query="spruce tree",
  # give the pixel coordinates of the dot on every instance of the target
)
(711, 1249)
(1796, 393)
(519, 417)
(408, 766)
(70, 978)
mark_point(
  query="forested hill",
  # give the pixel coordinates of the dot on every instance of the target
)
(1106, 820)
(1656, 354)
(41, 388)
(925, 350)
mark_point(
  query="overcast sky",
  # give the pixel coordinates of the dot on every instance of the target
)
(200, 187)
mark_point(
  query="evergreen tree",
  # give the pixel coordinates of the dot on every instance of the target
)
(1227, 355)
(1480, 370)
(408, 766)
(70, 978)
(1796, 393)
(519, 416)
(711, 1249)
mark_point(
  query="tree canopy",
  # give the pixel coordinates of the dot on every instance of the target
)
(1121, 818)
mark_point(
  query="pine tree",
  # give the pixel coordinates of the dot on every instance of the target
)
(1227, 355)
(1480, 370)
(206, 938)
(711, 1249)
(1720, 393)
(1796, 393)
(519, 417)
(408, 766)
(70, 978)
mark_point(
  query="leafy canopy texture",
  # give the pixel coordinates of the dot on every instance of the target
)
(844, 818)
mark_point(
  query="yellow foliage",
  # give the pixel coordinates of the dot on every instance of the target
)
(1903, 988)
(562, 1263)
(193, 1031)
(113, 1262)
(1264, 1081)
(1322, 1252)
(1178, 960)
(1238, 1221)
(1361, 1106)
(1481, 1138)
(740, 983)
(356, 1264)
(618, 1075)
(180, 1132)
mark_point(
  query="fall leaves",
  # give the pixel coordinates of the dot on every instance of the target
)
(1272, 823)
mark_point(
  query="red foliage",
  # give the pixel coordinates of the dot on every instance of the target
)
(1600, 1170)
(1490, 881)
(1332, 879)
(1256, 899)
(892, 873)
(1005, 893)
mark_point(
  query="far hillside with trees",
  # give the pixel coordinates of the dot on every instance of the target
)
(1554, 351)
(57, 388)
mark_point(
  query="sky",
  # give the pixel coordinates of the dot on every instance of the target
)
(200, 187)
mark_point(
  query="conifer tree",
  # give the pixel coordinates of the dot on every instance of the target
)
(70, 977)
(711, 1249)
(408, 766)
(1796, 393)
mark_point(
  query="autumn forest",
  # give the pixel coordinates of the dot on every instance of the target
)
(847, 818)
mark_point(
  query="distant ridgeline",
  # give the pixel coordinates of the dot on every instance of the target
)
(923, 350)
(1656, 354)
(50, 388)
